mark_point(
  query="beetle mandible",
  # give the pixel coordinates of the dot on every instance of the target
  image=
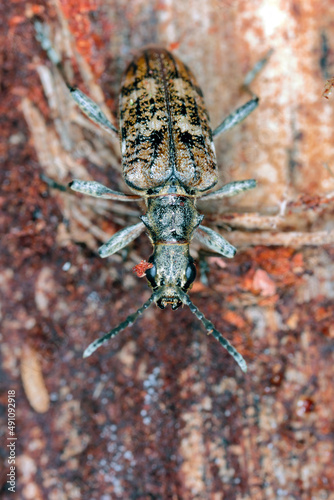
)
(168, 159)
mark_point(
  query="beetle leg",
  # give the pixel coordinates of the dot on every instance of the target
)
(42, 35)
(85, 103)
(241, 113)
(230, 189)
(92, 110)
(97, 190)
(237, 116)
(215, 241)
(121, 239)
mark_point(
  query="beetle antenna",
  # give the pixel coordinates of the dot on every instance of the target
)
(127, 322)
(211, 330)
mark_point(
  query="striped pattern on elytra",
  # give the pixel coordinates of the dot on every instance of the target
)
(164, 125)
(169, 160)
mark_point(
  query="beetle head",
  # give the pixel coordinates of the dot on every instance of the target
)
(172, 269)
(171, 275)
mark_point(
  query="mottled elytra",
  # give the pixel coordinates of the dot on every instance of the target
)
(169, 160)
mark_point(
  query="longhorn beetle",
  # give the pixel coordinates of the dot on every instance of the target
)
(169, 160)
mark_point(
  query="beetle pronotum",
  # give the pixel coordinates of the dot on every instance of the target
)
(168, 159)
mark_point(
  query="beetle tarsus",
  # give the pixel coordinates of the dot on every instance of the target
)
(246, 109)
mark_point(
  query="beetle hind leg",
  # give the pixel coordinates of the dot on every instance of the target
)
(92, 110)
(85, 103)
(42, 35)
(246, 109)
(237, 116)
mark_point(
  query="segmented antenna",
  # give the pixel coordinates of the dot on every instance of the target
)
(127, 322)
(156, 295)
(211, 329)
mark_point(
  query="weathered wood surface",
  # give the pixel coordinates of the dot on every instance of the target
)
(162, 411)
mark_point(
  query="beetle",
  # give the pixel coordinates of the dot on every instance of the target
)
(169, 161)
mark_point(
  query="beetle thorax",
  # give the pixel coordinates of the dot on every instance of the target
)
(171, 220)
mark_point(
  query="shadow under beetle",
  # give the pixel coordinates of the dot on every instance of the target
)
(168, 159)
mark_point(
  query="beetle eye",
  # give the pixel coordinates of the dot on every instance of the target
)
(151, 274)
(190, 274)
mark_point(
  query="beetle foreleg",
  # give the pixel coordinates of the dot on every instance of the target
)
(215, 242)
(230, 189)
(129, 321)
(211, 330)
(97, 190)
(121, 239)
